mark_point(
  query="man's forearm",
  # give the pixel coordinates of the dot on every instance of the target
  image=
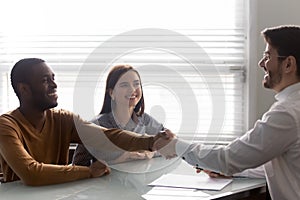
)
(129, 141)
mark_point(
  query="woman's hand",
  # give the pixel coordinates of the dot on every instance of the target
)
(134, 155)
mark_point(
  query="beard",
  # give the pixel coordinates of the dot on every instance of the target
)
(273, 78)
(41, 98)
(44, 104)
(42, 101)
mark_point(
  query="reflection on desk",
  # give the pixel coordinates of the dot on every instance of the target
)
(127, 181)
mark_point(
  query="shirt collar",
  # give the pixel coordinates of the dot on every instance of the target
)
(287, 91)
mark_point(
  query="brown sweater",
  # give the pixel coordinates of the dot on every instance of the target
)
(40, 158)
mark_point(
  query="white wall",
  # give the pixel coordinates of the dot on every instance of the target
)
(265, 13)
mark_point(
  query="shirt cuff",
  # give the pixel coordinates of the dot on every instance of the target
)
(181, 147)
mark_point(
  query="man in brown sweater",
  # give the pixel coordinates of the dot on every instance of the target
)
(35, 138)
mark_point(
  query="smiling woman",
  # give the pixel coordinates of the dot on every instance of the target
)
(123, 108)
(67, 41)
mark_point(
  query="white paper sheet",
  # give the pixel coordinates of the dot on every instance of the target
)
(159, 197)
(169, 191)
(203, 182)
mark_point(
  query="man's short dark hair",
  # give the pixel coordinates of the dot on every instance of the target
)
(21, 72)
(286, 40)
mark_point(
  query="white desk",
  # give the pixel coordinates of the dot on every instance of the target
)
(127, 181)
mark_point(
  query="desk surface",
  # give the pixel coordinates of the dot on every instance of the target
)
(127, 181)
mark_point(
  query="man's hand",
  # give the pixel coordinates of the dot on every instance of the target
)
(162, 139)
(165, 143)
(165, 134)
(212, 174)
(98, 169)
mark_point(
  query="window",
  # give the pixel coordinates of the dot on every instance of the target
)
(190, 55)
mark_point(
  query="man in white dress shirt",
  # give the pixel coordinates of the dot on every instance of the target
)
(274, 141)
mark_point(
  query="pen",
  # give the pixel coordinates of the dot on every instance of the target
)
(199, 168)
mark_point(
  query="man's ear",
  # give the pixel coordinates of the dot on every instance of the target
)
(290, 64)
(24, 89)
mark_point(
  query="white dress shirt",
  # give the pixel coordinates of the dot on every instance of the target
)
(274, 142)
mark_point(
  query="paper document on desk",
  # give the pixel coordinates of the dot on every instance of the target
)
(158, 193)
(202, 182)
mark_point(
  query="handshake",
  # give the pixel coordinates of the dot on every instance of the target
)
(165, 144)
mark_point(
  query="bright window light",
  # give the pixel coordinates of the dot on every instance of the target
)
(181, 84)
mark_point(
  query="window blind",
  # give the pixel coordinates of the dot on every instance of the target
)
(193, 78)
